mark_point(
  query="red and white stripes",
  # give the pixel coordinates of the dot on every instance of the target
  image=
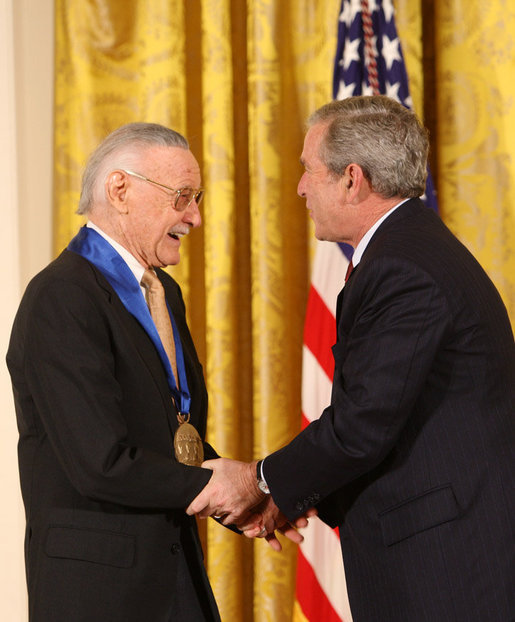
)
(321, 591)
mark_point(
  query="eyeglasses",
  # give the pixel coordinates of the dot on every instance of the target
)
(183, 196)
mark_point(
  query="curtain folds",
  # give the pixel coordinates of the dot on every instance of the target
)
(239, 78)
(227, 291)
(475, 67)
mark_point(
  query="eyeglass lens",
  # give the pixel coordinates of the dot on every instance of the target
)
(185, 196)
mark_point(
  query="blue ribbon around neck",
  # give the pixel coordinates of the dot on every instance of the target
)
(89, 244)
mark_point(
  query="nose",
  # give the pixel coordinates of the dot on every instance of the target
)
(301, 190)
(192, 215)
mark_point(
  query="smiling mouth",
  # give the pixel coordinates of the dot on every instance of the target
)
(176, 235)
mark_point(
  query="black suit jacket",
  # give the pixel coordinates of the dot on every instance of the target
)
(107, 536)
(414, 459)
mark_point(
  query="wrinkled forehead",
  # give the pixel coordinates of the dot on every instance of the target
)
(312, 142)
(174, 165)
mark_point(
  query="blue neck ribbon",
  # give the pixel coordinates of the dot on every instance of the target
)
(92, 246)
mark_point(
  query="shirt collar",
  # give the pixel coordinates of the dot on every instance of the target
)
(363, 243)
(136, 268)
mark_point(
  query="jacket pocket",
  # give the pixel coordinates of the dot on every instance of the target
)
(430, 509)
(91, 545)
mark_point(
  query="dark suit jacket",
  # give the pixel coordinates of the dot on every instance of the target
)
(107, 536)
(414, 459)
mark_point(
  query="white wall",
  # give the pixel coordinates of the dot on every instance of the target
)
(11, 517)
(34, 60)
(26, 82)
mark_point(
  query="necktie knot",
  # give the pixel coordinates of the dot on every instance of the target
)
(150, 281)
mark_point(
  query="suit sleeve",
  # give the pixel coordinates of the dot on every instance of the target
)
(393, 321)
(71, 369)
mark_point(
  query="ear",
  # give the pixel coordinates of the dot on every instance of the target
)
(116, 186)
(355, 183)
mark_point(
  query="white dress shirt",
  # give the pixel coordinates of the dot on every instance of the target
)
(135, 267)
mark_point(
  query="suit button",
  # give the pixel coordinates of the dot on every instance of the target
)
(175, 548)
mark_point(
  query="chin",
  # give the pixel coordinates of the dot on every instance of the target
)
(167, 256)
(172, 260)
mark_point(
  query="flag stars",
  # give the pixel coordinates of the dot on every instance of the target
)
(350, 52)
(366, 89)
(388, 10)
(392, 90)
(349, 11)
(390, 51)
(345, 90)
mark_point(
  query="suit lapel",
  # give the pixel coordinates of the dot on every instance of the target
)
(144, 349)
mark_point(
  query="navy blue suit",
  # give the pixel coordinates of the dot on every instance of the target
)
(414, 459)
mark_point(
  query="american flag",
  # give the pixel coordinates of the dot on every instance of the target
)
(368, 61)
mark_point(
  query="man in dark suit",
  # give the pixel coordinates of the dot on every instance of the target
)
(97, 400)
(414, 459)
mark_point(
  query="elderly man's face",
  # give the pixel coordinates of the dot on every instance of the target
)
(152, 229)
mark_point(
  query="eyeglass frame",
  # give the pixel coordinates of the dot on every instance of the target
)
(198, 193)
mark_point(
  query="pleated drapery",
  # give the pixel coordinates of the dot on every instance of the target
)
(238, 78)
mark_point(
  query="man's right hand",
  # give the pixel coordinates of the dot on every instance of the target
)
(231, 492)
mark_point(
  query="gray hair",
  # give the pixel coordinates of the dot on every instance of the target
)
(386, 139)
(122, 149)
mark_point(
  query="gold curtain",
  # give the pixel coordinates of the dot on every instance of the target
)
(460, 58)
(238, 78)
(475, 70)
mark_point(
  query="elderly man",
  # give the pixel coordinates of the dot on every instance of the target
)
(414, 458)
(100, 395)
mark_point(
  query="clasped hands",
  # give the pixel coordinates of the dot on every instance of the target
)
(232, 496)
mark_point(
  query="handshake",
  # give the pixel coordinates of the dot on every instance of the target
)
(233, 497)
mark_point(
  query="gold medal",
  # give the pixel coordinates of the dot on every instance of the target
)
(187, 443)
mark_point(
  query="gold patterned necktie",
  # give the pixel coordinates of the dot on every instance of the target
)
(187, 442)
(159, 311)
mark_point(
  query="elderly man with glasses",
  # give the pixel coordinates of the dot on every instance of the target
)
(111, 401)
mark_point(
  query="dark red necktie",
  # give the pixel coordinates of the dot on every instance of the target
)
(350, 268)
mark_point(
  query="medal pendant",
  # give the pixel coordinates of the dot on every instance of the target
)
(187, 443)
